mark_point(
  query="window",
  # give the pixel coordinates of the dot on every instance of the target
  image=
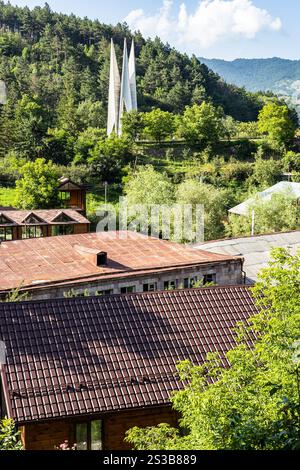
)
(190, 282)
(6, 234)
(169, 285)
(62, 230)
(34, 231)
(65, 195)
(127, 290)
(209, 278)
(151, 287)
(104, 292)
(88, 436)
(4, 220)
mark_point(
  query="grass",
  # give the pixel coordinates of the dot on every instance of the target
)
(7, 196)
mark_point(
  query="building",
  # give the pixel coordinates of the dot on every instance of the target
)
(109, 263)
(255, 250)
(72, 195)
(283, 187)
(86, 370)
(20, 225)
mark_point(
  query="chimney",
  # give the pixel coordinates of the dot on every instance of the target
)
(93, 255)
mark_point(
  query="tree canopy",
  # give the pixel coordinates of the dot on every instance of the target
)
(38, 186)
(254, 404)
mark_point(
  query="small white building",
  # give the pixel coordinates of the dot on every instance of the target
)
(284, 187)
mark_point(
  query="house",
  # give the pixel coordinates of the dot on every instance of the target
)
(72, 195)
(86, 370)
(109, 263)
(255, 250)
(24, 224)
(284, 188)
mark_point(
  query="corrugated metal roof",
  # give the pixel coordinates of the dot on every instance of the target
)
(283, 187)
(56, 259)
(255, 250)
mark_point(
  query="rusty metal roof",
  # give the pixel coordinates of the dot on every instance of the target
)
(56, 259)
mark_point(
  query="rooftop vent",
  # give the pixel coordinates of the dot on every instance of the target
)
(94, 256)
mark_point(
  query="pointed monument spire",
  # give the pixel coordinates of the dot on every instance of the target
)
(125, 98)
(132, 77)
(114, 93)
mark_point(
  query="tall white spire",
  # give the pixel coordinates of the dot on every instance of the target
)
(114, 93)
(3, 92)
(132, 77)
(125, 97)
(122, 92)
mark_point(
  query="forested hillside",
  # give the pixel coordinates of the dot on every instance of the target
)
(56, 69)
(280, 76)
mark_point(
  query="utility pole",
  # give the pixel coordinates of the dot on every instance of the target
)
(105, 191)
(253, 223)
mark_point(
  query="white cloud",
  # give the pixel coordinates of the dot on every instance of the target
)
(212, 21)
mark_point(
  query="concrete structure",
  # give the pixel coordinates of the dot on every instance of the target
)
(114, 93)
(87, 370)
(122, 92)
(109, 263)
(255, 250)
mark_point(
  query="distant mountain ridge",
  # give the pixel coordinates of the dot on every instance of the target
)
(281, 76)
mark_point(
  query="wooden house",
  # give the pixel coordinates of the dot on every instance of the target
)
(86, 370)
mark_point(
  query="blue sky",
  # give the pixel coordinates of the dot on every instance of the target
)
(225, 29)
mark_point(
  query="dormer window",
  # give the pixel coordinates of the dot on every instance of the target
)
(63, 218)
(5, 220)
(33, 219)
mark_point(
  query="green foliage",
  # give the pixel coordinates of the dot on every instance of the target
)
(202, 123)
(254, 404)
(109, 156)
(158, 124)
(266, 172)
(275, 120)
(56, 68)
(38, 186)
(17, 296)
(247, 130)
(9, 437)
(215, 202)
(148, 186)
(133, 125)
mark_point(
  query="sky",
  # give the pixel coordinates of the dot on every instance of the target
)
(223, 29)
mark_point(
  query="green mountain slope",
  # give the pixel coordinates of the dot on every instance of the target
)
(44, 53)
(280, 76)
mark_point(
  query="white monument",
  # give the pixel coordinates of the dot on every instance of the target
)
(122, 93)
(3, 92)
(114, 93)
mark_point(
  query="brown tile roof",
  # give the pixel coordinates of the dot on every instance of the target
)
(56, 259)
(46, 216)
(70, 357)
